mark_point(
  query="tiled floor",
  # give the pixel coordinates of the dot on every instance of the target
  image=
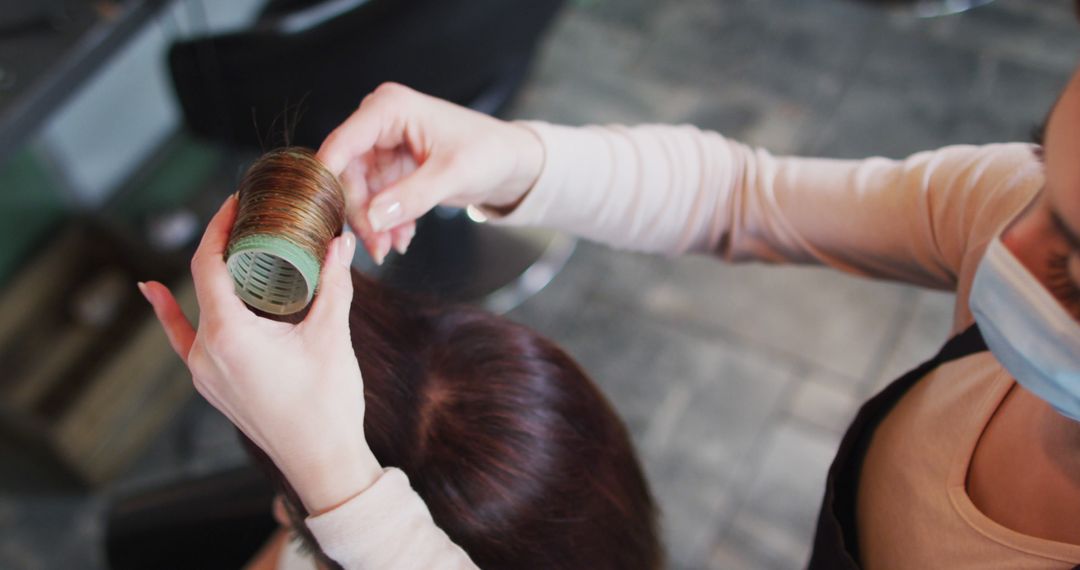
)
(735, 381)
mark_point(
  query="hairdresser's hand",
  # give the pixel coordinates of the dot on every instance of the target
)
(403, 152)
(295, 390)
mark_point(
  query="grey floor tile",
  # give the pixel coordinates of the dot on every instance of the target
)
(1013, 96)
(826, 401)
(746, 42)
(694, 403)
(665, 378)
(779, 499)
(756, 544)
(811, 315)
(920, 88)
(582, 76)
(1035, 30)
(636, 15)
(788, 484)
(733, 557)
(922, 334)
(709, 440)
(747, 113)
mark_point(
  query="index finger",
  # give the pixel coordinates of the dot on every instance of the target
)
(352, 138)
(213, 285)
(374, 122)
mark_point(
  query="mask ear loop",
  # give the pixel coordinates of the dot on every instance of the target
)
(1008, 225)
(1020, 279)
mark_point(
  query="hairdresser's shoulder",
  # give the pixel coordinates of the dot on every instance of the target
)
(994, 164)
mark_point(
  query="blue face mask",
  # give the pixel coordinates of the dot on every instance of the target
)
(1027, 329)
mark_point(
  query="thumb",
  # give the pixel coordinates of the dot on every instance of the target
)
(330, 311)
(177, 327)
(411, 197)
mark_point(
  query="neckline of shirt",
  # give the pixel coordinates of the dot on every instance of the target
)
(1001, 384)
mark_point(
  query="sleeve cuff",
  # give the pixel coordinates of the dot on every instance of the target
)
(543, 195)
(386, 526)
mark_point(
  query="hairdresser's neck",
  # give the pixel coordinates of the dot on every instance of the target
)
(1025, 472)
(1061, 440)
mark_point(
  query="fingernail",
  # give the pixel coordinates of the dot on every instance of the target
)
(143, 290)
(405, 240)
(382, 248)
(384, 216)
(346, 248)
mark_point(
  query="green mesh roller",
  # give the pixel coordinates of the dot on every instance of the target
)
(272, 274)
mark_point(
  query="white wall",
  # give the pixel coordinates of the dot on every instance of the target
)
(124, 112)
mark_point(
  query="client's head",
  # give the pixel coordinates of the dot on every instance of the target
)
(518, 456)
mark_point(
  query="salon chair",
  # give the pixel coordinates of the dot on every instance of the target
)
(318, 59)
(304, 66)
(217, 522)
(931, 8)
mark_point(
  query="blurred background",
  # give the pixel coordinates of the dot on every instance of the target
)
(125, 123)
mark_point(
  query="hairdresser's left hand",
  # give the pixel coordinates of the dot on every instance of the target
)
(295, 390)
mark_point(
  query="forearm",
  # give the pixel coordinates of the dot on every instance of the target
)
(347, 470)
(387, 526)
(676, 190)
(651, 188)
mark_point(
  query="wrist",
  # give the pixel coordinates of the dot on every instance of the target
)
(325, 485)
(528, 153)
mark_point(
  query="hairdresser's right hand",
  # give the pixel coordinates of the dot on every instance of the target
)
(403, 152)
(295, 390)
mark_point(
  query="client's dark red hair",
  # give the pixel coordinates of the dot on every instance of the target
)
(518, 456)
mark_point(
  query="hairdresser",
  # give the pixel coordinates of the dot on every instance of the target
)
(970, 460)
(980, 445)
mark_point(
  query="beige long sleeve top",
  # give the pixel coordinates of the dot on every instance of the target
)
(924, 220)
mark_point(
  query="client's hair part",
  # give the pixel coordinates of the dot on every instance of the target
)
(518, 456)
